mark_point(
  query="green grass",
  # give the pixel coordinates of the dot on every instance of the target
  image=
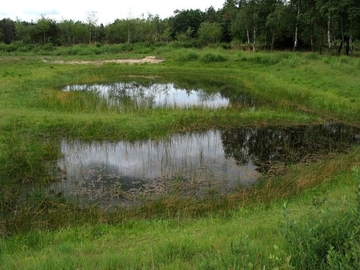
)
(239, 231)
(248, 237)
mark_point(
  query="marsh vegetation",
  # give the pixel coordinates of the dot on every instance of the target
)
(277, 142)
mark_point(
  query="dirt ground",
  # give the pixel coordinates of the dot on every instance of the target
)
(147, 59)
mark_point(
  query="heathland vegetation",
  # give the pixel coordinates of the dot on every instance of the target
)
(313, 25)
(303, 215)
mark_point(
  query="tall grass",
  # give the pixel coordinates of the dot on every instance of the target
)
(173, 232)
(318, 231)
(26, 159)
(326, 238)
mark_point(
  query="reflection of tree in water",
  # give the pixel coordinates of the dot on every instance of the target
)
(286, 144)
(133, 93)
(150, 94)
(236, 97)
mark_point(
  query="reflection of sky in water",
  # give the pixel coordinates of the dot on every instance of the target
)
(156, 94)
(219, 160)
(197, 155)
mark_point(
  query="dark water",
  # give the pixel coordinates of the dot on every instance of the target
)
(150, 95)
(191, 164)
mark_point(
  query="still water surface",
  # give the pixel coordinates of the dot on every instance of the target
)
(161, 95)
(190, 164)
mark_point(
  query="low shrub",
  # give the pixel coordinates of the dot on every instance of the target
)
(188, 56)
(212, 57)
(325, 239)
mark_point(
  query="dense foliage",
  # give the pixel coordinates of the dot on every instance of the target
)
(294, 24)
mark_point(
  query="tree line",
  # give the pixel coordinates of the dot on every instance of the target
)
(313, 25)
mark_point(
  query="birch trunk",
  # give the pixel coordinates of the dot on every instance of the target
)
(248, 38)
(329, 34)
(297, 27)
(254, 39)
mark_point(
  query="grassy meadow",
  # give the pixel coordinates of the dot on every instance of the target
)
(305, 218)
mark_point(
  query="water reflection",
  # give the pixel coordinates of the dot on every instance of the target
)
(162, 95)
(185, 163)
(266, 146)
(195, 164)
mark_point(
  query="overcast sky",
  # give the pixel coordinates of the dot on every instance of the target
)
(107, 10)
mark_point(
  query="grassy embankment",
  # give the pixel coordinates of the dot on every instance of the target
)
(239, 230)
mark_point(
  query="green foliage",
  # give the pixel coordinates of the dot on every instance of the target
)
(4, 47)
(25, 160)
(313, 56)
(209, 32)
(262, 58)
(344, 60)
(224, 45)
(269, 22)
(34, 110)
(188, 55)
(20, 46)
(326, 238)
(73, 50)
(293, 61)
(213, 57)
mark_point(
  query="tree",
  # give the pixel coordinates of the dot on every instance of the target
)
(91, 18)
(227, 17)
(43, 26)
(246, 23)
(297, 4)
(67, 32)
(185, 20)
(7, 29)
(24, 31)
(81, 33)
(278, 24)
(348, 12)
(210, 32)
(116, 32)
(166, 33)
(310, 17)
(211, 15)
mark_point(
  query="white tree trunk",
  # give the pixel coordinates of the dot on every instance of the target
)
(329, 34)
(128, 34)
(254, 39)
(297, 28)
(248, 37)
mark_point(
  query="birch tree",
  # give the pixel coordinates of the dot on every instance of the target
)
(91, 19)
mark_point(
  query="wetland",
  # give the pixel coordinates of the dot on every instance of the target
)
(195, 164)
(209, 152)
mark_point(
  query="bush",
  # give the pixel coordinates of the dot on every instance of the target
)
(224, 45)
(268, 59)
(313, 56)
(324, 239)
(211, 57)
(188, 56)
(344, 59)
(20, 46)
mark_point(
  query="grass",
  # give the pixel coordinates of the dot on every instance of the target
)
(247, 237)
(239, 231)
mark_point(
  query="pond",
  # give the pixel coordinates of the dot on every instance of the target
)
(154, 94)
(195, 164)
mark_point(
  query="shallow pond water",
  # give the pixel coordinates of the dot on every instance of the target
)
(190, 164)
(150, 95)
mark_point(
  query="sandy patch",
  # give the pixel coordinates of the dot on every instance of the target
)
(148, 59)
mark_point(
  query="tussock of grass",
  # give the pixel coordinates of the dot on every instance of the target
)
(234, 231)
